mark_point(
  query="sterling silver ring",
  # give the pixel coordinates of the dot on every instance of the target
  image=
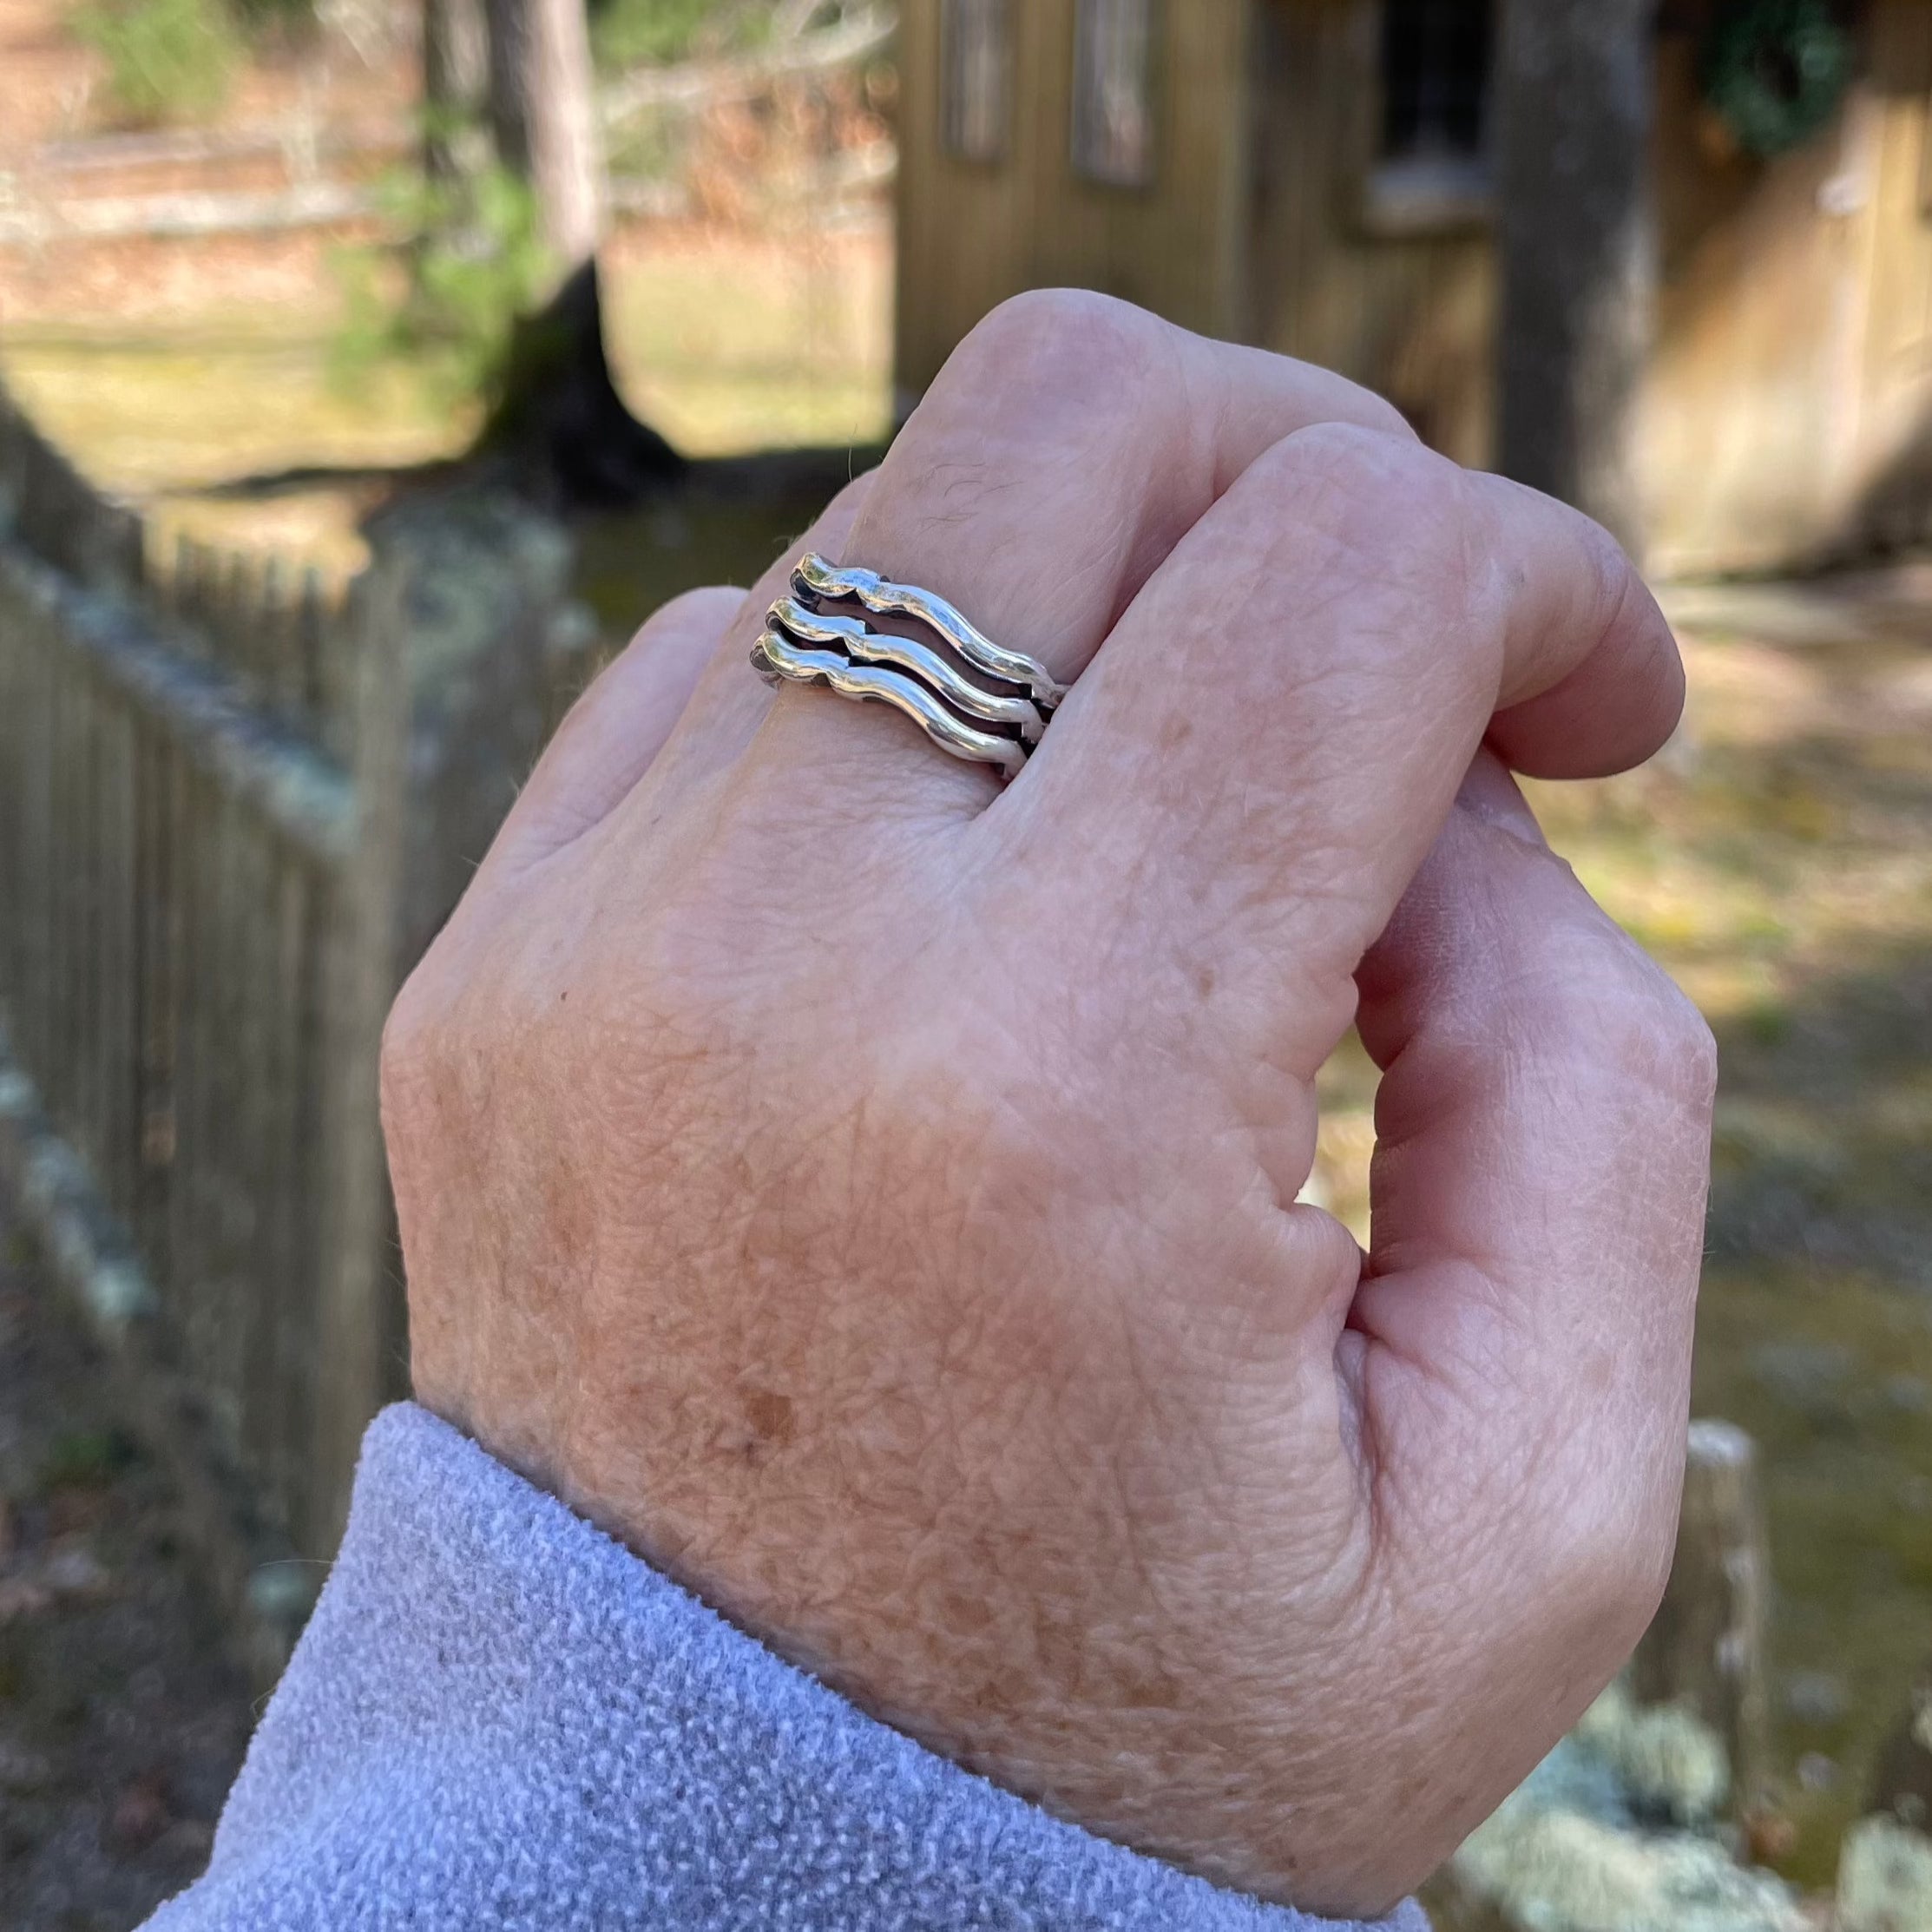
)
(973, 698)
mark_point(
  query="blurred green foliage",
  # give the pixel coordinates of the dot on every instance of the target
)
(471, 260)
(630, 33)
(1775, 71)
(264, 17)
(167, 60)
(174, 60)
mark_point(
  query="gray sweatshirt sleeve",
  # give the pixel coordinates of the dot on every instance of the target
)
(501, 1720)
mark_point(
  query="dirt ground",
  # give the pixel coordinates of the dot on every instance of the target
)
(121, 1722)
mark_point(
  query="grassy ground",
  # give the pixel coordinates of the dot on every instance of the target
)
(725, 341)
(733, 343)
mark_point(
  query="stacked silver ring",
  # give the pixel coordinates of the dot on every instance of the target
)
(973, 698)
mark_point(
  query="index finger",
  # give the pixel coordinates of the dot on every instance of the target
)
(1265, 749)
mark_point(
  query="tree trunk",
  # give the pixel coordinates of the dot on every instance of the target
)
(1574, 85)
(543, 113)
(559, 411)
(455, 82)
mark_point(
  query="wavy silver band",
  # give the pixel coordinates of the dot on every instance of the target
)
(974, 698)
(866, 646)
(776, 657)
(814, 578)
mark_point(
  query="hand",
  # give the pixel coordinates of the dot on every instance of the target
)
(873, 1194)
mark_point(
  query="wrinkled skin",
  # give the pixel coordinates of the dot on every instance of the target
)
(873, 1194)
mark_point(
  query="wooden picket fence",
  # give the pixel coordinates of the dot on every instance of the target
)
(233, 809)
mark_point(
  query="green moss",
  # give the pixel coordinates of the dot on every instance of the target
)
(1568, 1853)
(1848, 1471)
(1671, 1765)
(628, 33)
(1885, 1881)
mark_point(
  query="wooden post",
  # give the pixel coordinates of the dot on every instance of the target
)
(1904, 1784)
(1705, 1650)
(1574, 227)
(1885, 1869)
(454, 668)
(456, 80)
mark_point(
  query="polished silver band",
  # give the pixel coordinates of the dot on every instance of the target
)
(973, 698)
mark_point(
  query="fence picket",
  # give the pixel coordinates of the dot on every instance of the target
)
(233, 809)
(118, 971)
(158, 928)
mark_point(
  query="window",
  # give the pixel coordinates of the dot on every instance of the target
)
(1113, 91)
(1434, 79)
(976, 78)
(1431, 173)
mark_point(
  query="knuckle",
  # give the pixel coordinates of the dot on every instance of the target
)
(1368, 461)
(432, 1029)
(1374, 491)
(1059, 343)
(1576, 979)
(1385, 511)
(708, 608)
(1655, 1033)
(1612, 593)
(1586, 1546)
(1614, 579)
(1695, 1048)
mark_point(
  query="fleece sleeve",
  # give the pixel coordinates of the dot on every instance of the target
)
(501, 1720)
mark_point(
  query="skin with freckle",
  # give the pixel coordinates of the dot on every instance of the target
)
(872, 1193)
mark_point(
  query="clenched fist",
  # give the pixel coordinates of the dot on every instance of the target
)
(872, 1193)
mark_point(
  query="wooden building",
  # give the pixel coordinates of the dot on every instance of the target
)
(1311, 174)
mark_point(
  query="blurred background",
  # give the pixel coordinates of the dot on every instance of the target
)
(369, 369)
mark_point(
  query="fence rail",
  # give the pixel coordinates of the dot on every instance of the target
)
(231, 814)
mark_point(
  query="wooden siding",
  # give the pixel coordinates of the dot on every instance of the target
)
(1788, 414)
(1253, 229)
(1789, 404)
(972, 234)
(1410, 315)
